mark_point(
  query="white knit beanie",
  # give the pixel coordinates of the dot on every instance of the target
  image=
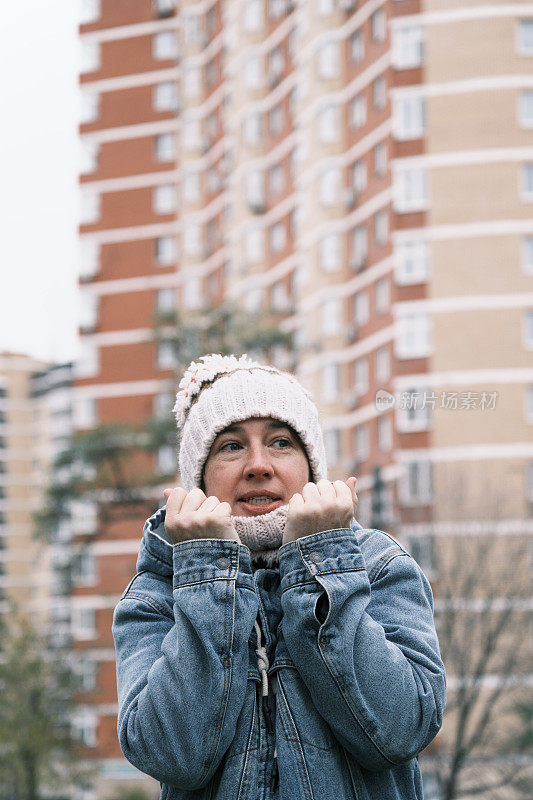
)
(226, 389)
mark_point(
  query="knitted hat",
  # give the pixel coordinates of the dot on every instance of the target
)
(226, 389)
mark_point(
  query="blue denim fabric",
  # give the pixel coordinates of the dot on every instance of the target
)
(356, 684)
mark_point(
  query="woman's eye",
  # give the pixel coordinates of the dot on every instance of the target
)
(229, 446)
(282, 442)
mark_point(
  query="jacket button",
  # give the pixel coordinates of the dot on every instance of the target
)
(222, 563)
(315, 557)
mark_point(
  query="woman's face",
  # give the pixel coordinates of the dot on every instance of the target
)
(256, 466)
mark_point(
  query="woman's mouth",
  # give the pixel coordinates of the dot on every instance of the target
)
(259, 504)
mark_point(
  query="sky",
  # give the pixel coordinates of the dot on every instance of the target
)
(39, 199)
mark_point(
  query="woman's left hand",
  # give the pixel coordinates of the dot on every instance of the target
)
(321, 506)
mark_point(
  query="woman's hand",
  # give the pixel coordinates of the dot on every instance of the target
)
(321, 506)
(192, 515)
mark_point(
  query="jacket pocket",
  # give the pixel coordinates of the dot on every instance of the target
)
(299, 718)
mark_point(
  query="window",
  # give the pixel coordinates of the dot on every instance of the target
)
(421, 549)
(330, 382)
(331, 313)
(527, 181)
(325, 7)
(86, 671)
(527, 258)
(412, 261)
(192, 134)
(164, 45)
(166, 357)
(191, 28)
(83, 623)
(84, 414)
(409, 116)
(384, 434)
(90, 56)
(380, 159)
(382, 295)
(328, 60)
(279, 296)
(255, 187)
(84, 569)
(164, 199)
(165, 300)
(332, 443)
(86, 365)
(379, 25)
(357, 47)
(88, 310)
(165, 8)
(90, 207)
(407, 46)
(192, 293)
(276, 64)
(526, 108)
(84, 727)
(276, 179)
(358, 111)
(165, 96)
(253, 15)
(528, 326)
(192, 81)
(192, 238)
(414, 336)
(254, 300)
(278, 237)
(360, 308)
(254, 244)
(166, 459)
(89, 106)
(253, 72)
(359, 179)
(328, 124)
(525, 37)
(330, 186)
(275, 120)
(90, 11)
(382, 365)
(191, 185)
(410, 189)
(89, 156)
(165, 250)
(379, 93)
(381, 228)
(362, 442)
(415, 486)
(359, 247)
(165, 147)
(330, 252)
(413, 409)
(252, 128)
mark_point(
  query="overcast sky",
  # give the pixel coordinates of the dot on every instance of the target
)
(39, 55)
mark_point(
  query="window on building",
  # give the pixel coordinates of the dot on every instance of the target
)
(89, 106)
(325, 7)
(165, 96)
(525, 37)
(90, 207)
(381, 228)
(526, 108)
(357, 46)
(380, 159)
(362, 442)
(330, 252)
(358, 111)
(165, 250)
(192, 240)
(164, 8)
(166, 459)
(254, 244)
(252, 128)
(87, 363)
(527, 257)
(90, 56)
(330, 186)
(276, 64)
(165, 300)
(331, 313)
(330, 382)
(280, 299)
(275, 120)
(359, 178)
(416, 484)
(421, 549)
(278, 237)
(407, 46)
(89, 156)
(414, 336)
(359, 247)
(89, 11)
(192, 134)
(412, 261)
(83, 623)
(382, 295)
(409, 115)
(253, 72)
(253, 15)
(379, 93)
(165, 147)
(378, 23)
(84, 724)
(192, 292)
(332, 443)
(166, 357)
(164, 45)
(329, 124)
(191, 27)
(192, 81)
(254, 181)
(86, 673)
(191, 185)
(88, 310)
(384, 426)
(360, 308)
(328, 60)
(528, 329)
(84, 413)
(84, 569)
(211, 72)
(164, 199)
(411, 189)
(276, 179)
(382, 365)
(413, 409)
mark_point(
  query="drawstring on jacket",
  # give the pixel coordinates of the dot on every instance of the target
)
(262, 659)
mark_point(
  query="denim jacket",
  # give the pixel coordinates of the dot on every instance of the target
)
(320, 680)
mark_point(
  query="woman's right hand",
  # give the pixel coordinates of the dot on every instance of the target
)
(192, 515)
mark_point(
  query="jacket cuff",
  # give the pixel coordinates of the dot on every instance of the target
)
(200, 560)
(321, 553)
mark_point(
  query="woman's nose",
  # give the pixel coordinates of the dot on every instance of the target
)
(258, 462)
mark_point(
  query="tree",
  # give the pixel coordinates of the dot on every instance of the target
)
(38, 751)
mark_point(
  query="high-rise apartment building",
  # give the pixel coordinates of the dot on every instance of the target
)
(363, 168)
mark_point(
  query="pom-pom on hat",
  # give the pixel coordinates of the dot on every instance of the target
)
(221, 390)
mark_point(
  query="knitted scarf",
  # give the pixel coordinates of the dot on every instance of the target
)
(263, 535)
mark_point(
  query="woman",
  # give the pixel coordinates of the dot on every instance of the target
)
(269, 646)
